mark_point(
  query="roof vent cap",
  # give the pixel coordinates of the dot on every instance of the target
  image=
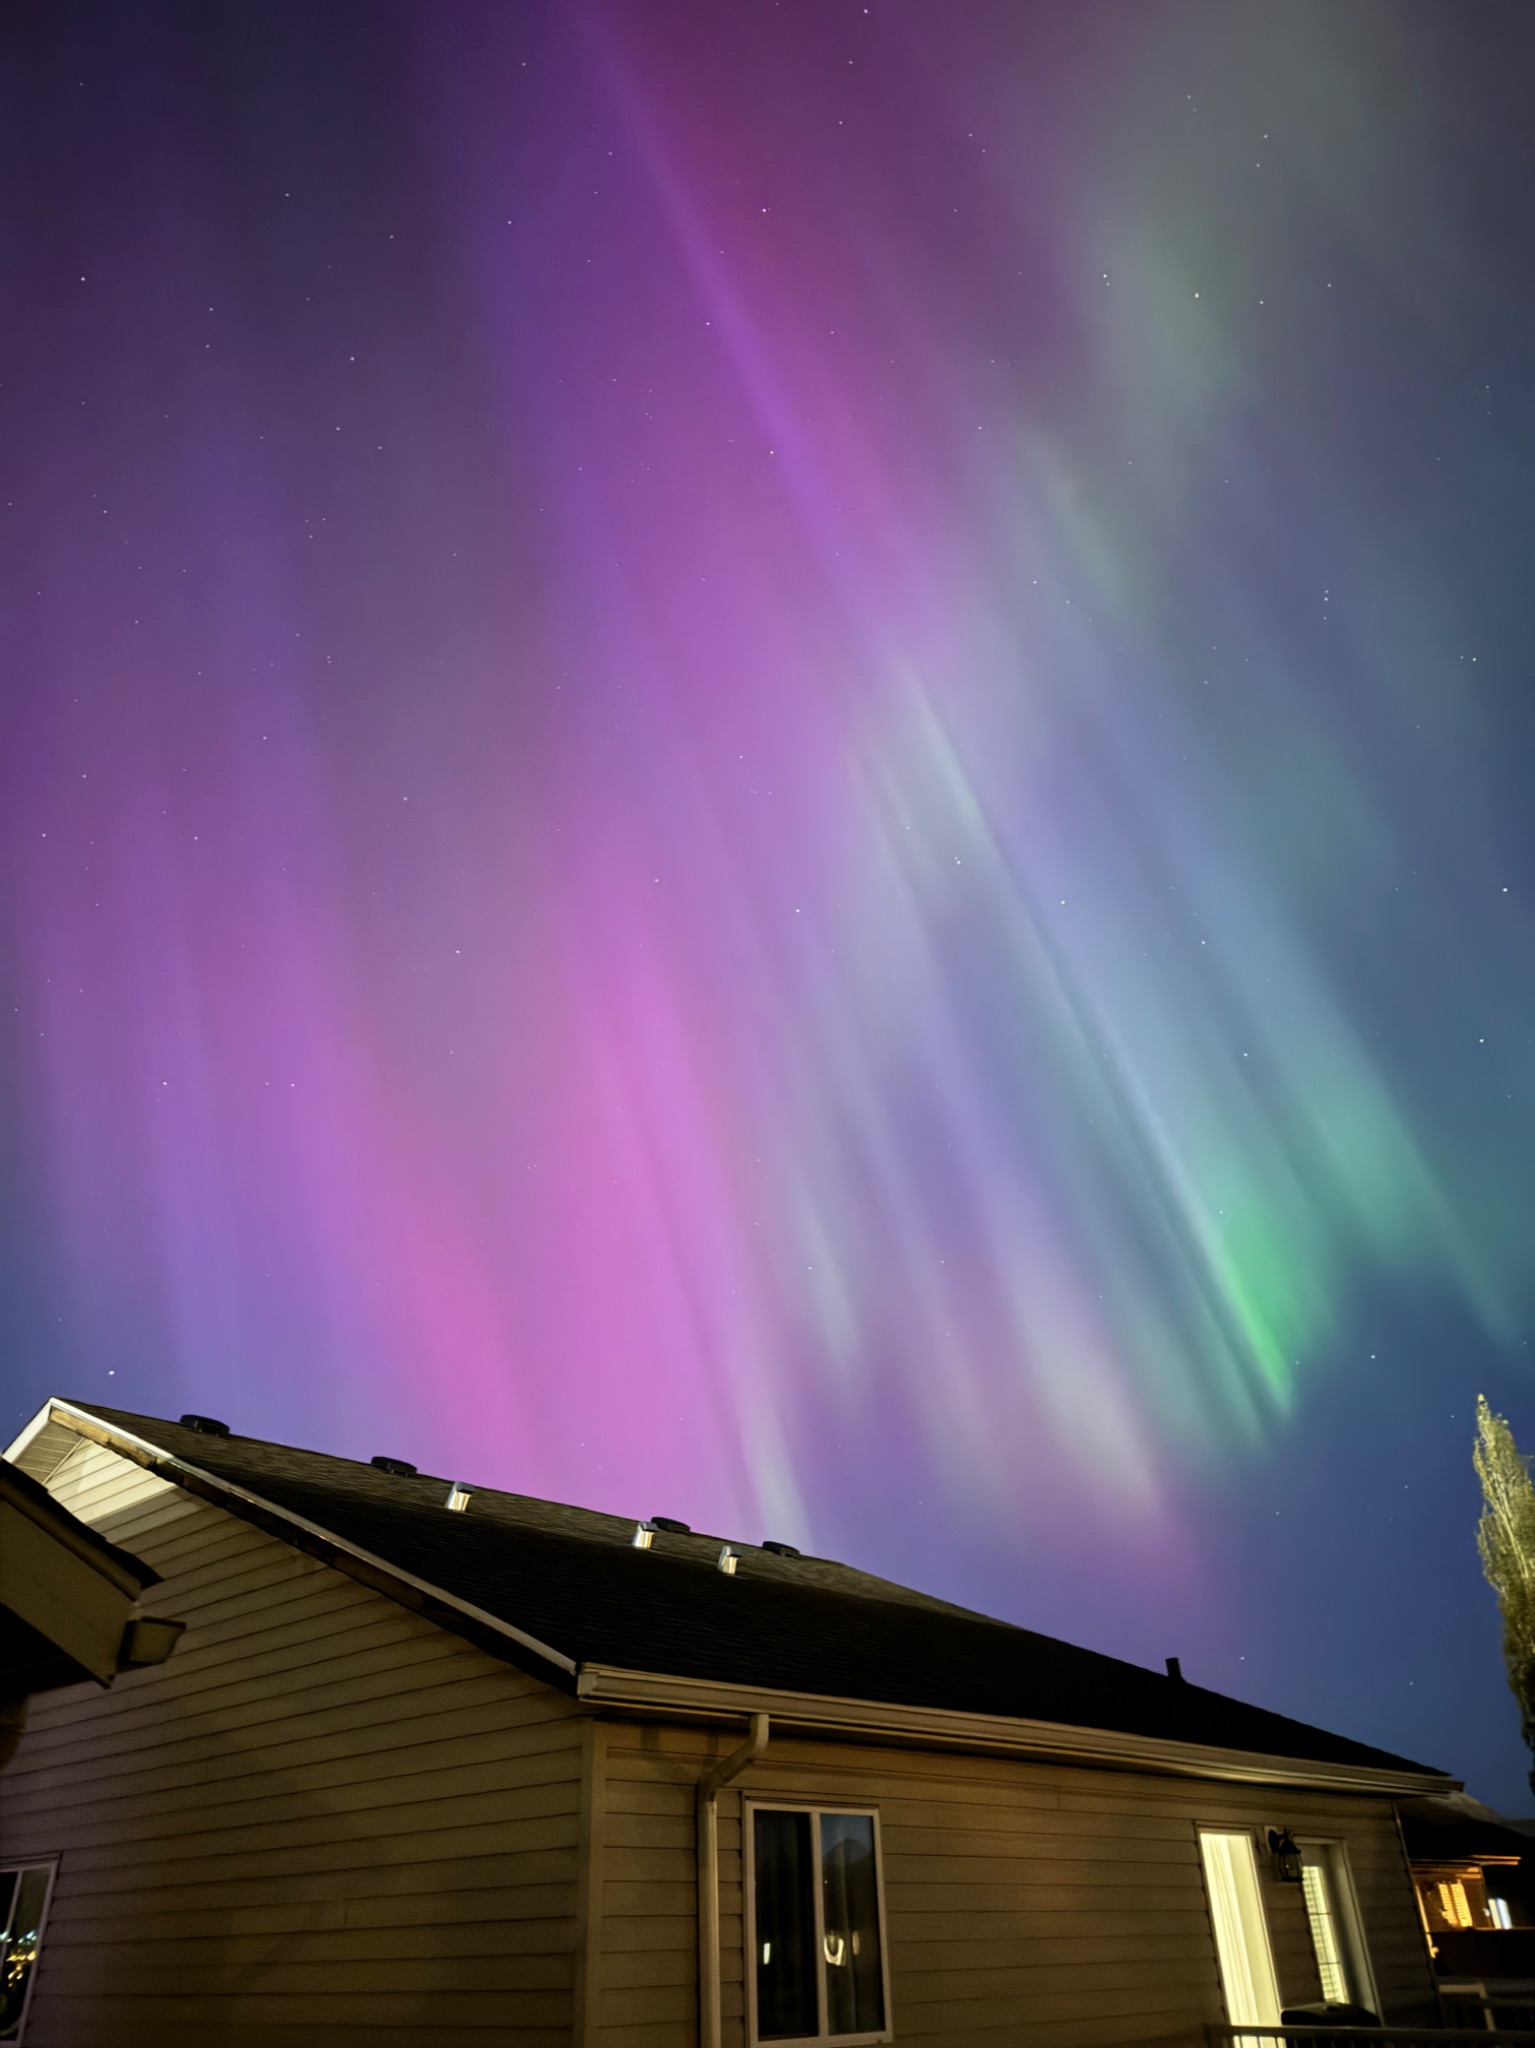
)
(671, 1526)
(205, 1425)
(399, 1467)
(1175, 1670)
(780, 1549)
(644, 1536)
(458, 1498)
(728, 1560)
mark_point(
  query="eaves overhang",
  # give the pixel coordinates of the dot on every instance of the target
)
(651, 1693)
(69, 1599)
(21, 1495)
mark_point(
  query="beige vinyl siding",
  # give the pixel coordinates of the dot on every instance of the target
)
(325, 1820)
(1028, 1903)
(105, 1489)
(43, 1446)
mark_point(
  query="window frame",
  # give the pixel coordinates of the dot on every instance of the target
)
(1332, 1853)
(21, 1865)
(751, 1806)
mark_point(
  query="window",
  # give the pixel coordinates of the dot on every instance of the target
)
(1455, 1896)
(814, 1926)
(24, 1895)
(1241, 1932)
(1337, 1936)
(1325, 1937)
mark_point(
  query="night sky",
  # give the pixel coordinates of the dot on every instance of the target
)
(773, 762)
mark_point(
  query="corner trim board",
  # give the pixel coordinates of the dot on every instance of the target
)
(589, 1880)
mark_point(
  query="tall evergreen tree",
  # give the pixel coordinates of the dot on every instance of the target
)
(1505, 1537)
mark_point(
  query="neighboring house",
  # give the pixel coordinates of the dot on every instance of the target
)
(1475, 1878)
(442, 1765)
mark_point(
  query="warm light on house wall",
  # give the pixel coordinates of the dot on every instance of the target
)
(1454, 1898)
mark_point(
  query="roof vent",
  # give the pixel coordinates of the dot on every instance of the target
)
(1175, 1669)
(204, 1425)
(644, 1536)
(728, 1561)
(458, 1498)
(672, 1528)
(780, 1549)
(397, 1466)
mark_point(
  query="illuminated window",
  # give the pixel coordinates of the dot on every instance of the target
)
(815, 1926)
(1452, 1899)
(1454, 1904)
(1324, 1934)
(1241, 1931)
(1337, 1936)
(24, 1892)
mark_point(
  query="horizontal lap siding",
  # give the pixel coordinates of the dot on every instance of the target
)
(324, 1820)
(1035, 1905)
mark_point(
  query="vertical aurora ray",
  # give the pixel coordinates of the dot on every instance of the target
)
(765, 764)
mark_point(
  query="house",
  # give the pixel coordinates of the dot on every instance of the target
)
(1475, 1879)
(434, 1763)
(69, 1616)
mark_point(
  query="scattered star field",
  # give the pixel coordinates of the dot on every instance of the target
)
(773, 762)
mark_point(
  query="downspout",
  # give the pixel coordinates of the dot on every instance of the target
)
(13, 1722)
(707, 1816)
(1417, 1900)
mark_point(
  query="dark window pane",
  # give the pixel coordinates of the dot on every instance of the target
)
(785, 1926)
(855, 1991)
(19, 1948)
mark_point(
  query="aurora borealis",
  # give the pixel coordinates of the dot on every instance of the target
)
(772, 762)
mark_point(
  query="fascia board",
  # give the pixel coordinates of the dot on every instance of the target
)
(29, 1431)
(68, 1533)
(320, 1541)
(77, 1602)
(644, 1691)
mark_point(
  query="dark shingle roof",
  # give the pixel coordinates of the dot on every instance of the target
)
(1458, 1830)
(571, 1578)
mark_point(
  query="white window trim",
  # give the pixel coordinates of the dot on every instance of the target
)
(51, 1865)
(1345, 1906)
(815, 1808)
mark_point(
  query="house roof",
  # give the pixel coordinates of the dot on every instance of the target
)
(569, 1584)
(1457, 1829)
